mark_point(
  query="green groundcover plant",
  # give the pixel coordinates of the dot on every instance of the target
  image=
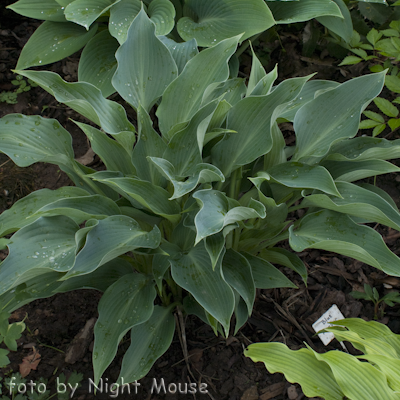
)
(101, 26)
(191, 206)
(336, 375)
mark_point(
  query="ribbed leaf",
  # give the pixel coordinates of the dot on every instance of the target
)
(85, 12)
(186, 92)
(162, 13)
(149, 341)
(46, 244)
(48, 10)
(98, 64)
(110, 238)
(194, 273)
(85, 99)
(145, 66)
(121, 16)
(23, 211)
(215, 212)
(126, 303)
(359, 202)
(336, 232)
(296, 366)
(211, 21)
(52, 42)
(334, 115)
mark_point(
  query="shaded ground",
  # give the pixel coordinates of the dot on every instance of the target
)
(280, 314)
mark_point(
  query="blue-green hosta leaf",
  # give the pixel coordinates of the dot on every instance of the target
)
(303, 10)
(359, 202)
(257, 73)
(162, 13)
(23, 212)
(286, 258)
(112, 153)
(121, 16)
(211, 21)
(357, 379)
(264, 86)
(202, 173)
(30, 139)
(100, 279)
(334, 115)
(154, 198)
(186, 92)
(48, 10)
(342, 26)
(52, 42)
(81, 208)
(265, 275)
(252, 119)
(238, 274)
(46, 244)
(301, 176)
(308, 93)
(215, 246)
(98, 64)
(181, 52)
(126, 303)
(231, 91)
(194, 273)
(85, 12)
(336, 232)
(241, 314)
(184, 150)
(364, 148)
(149, 341)
(351, 171)
(297, 366)
(160, 266)
(215, 212)
(110, 238)
(145, 65)
(149, 144)
(85, 99)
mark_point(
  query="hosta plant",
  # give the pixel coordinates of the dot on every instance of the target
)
(336, 375)
(191, 208)
(101, 26)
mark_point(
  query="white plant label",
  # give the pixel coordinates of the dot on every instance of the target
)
(333, 314)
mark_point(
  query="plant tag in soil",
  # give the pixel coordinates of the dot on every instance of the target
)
(333, 314)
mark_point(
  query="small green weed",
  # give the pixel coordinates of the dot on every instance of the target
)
(10, 97)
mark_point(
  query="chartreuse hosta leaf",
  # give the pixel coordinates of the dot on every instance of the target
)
(334, 115)
(126, 303)
(302, 10)
(216, 213)
(145, 65)
(251, 119)
(186, 92)
(193, 272)
(98, 64)
(336, 232)
(48, 10)
(359, 202)
(85, 12)
(149, 341)
(299, 176)
(85, 99)
(154, 198)
(46, 244)
(110, 238)
(53, 41)
(211, 21)
(23, 212)
(296, 366)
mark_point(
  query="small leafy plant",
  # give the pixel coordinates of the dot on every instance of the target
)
(22, 86)
(372, 294)
(336, 375)
(190, 209)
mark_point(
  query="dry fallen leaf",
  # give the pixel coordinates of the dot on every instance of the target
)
(29, 363)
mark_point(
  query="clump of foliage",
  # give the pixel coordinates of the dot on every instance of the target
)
(22, 86)
(336, 375)
(191, 208)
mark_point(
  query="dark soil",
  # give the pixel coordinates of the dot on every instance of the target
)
(280, 314)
